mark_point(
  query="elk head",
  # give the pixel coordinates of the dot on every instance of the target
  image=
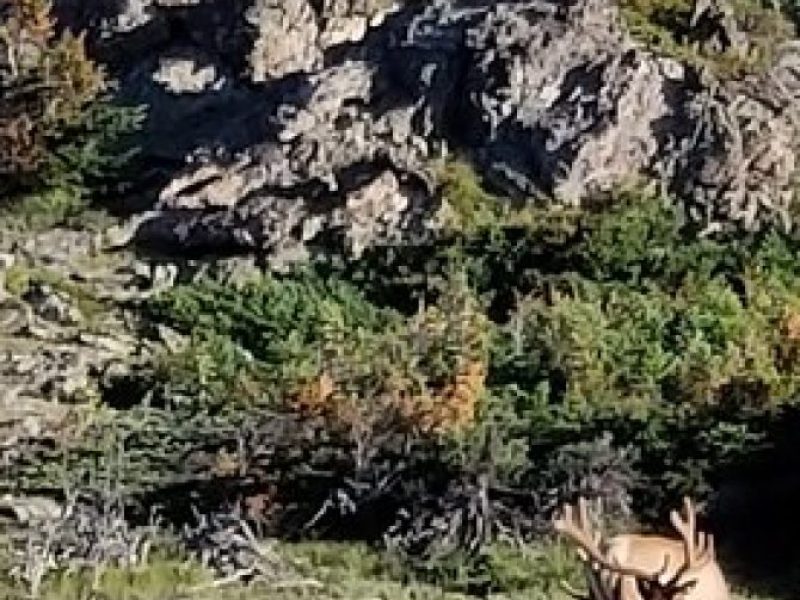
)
(639, 567)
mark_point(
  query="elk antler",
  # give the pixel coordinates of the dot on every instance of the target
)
(577, 527)
(698, 548)
(574, 523)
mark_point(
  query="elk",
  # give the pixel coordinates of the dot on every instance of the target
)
(644, 567)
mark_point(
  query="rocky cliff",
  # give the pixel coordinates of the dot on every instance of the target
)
(299, 123)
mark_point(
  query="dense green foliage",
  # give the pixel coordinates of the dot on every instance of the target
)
(610, 351)
(624, 320)
(271, 327)
(269, 337)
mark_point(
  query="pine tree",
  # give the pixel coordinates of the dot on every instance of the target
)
(57, 125)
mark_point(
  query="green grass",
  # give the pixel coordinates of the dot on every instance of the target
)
(331, 571)
(470, 206)
(161, 579)
(324, 571)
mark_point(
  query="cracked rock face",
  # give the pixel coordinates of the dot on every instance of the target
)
(297, 117)
(742, 165)
(568, 103)
(286, 41)
(187, 75)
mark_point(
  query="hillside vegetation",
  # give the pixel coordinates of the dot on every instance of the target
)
(377, 420)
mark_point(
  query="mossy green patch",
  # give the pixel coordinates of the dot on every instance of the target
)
(42, 210)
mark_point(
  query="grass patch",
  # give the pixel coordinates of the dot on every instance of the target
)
(161, 579)
(332, 571)
(471, 207)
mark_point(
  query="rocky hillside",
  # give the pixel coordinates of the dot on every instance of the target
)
(384, 283)
(302, 122)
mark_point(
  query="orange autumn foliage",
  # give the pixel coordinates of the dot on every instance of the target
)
(450, 408)
(791, 326)
(425, 377)
(439, 410)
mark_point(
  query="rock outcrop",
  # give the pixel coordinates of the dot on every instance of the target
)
(739, 165)
(311, 121)
(67, 329)
(570, 105)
